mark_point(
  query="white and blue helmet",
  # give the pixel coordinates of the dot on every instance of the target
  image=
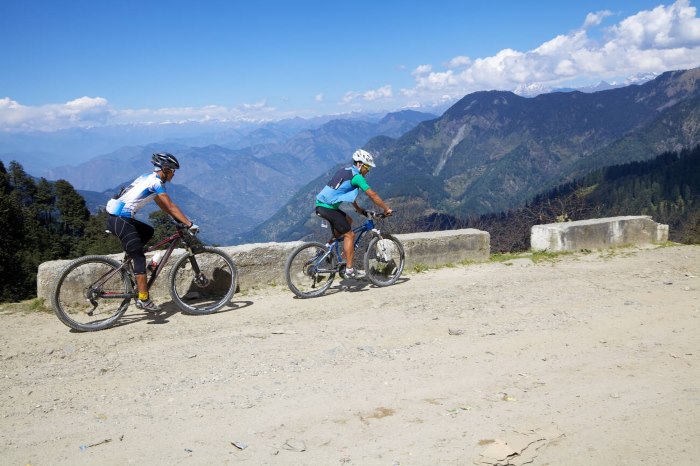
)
(363, 156)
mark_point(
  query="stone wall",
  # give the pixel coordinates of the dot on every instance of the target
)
(262, 264)
(597, 233)
(445, 247)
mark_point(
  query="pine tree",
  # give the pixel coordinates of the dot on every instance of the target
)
(162, 224)
(18, 257)
(74, 216)
(96, 240)
(10, 238)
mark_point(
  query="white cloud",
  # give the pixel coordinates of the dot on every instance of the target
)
(422, 69)
(95, 111)
(664, 38)
(352, 97)
(349, 97)
(246, 111)
(458, 62)
(661, 28)
(594, 19)
(85, 111)
(383, 92)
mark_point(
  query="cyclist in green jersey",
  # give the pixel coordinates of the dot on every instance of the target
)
(344, 187)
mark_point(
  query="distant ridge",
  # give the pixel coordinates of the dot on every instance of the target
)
(493, 150)
(232, 189)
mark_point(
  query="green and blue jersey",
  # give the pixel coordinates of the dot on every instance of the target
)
(343, 187)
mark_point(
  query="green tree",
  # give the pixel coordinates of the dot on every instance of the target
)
(19, 255)
(22, 184)
(162, 224)
(73, 217)
(11, 235)
(44, 201)
(96, 240)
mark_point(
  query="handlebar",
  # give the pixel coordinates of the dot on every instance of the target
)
(376, 215)
(183, 227)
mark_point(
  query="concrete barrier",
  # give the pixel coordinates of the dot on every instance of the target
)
(262, 264)
(597, 233)
(445, 247)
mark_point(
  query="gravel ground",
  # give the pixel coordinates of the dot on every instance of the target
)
(585, 359)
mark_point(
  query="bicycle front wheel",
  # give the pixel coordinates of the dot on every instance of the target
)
(384, 260)
(204, 282)
(307, 275)
(91, 293)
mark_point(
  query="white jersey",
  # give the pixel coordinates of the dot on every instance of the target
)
(136, 195)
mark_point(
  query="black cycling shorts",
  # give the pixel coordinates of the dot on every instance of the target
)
(134, 235)
(336, 217)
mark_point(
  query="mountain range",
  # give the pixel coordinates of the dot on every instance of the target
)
(39, 151)
(490, 151)
(229, 190)
(494, 150)
(535, 89)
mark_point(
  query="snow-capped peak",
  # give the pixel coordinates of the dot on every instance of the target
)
(532, 89)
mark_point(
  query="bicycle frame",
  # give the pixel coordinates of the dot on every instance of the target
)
(172, 240)
(334, 248)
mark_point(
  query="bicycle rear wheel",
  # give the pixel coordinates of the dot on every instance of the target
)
(307, 276)
(208, 290)
(92, 293)
(384, 260)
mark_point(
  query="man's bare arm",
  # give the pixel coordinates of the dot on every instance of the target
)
(169, 207)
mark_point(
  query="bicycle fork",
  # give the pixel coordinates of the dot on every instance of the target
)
(382, 254)
(199, 278)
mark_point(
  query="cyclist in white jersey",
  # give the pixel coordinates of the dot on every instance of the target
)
(135, 234)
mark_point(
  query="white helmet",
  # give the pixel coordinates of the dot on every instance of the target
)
(364, 157)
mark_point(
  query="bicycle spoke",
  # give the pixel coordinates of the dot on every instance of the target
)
(384, 260)
(91, 294)
(210, 289)
(308, 273)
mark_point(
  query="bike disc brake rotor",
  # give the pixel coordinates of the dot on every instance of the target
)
(201, 281)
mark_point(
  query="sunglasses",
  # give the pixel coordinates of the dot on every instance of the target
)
(367, 167)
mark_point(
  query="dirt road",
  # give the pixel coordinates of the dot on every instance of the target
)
(587, 359)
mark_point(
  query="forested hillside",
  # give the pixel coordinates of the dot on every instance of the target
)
(667, 188)
(42, 221)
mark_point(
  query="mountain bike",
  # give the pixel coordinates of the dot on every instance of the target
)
(93, 292)
(312, 267)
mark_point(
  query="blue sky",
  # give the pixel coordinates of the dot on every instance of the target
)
(83, 63)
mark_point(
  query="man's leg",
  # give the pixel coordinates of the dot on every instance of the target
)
(131, 233)
(349, 247)
(349, 243)
(142, 285)
(337, 219)
(342, 223)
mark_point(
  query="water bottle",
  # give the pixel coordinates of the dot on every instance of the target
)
(155, 260)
